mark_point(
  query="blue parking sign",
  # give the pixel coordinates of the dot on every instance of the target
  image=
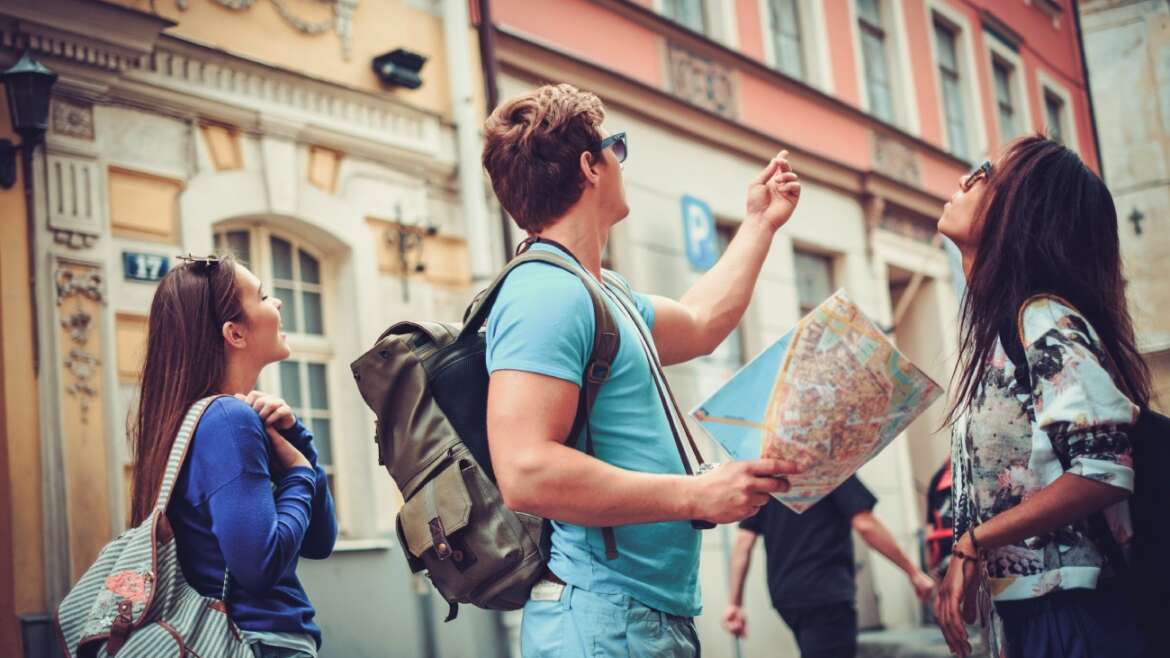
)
(699, 233)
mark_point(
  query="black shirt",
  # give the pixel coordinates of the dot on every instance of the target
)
(810, 555)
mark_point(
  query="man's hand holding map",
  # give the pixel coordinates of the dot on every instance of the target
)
(829, 395)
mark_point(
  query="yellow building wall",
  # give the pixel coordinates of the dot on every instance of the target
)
(378, 26)
(21, 555)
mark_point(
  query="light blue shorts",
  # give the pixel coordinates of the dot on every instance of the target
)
(583, 624)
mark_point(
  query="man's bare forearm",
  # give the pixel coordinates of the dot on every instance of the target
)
(741, 561)
(720, 297)
(878, 537)
(562, 483)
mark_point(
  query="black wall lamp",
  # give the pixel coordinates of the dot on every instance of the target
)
(400, 67)
(27, 83)
(408, 241)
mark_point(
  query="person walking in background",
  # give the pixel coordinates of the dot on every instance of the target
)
(1041, 452)
(250, 498)
(810, 567)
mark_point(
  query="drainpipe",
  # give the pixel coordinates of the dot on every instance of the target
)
(1076, 10)
(471, 190)
(491, 85)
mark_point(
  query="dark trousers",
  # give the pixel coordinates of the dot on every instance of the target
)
(1078, 623)
(824, 631)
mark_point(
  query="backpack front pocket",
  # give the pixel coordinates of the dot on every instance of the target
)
(459, 529)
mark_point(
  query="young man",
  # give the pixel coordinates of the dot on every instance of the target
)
(560, 177)
(810, 568)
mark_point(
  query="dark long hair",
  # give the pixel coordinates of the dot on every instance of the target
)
(1048, 226)
(184, 362)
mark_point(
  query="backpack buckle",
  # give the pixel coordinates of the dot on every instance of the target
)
(439, 538)
(598, 372)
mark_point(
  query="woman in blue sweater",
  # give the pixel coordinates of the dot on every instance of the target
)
(250, 498)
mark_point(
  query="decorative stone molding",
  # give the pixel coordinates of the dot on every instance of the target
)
(94, 34)
(73, 119)
(76, 211)
(896, 160)
(701, 81)
(907, 224)
(80, 364)
(341, 21)
(275, 96)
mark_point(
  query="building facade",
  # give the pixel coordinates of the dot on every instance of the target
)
(1127, 46)
(181, 126)
(883, 104)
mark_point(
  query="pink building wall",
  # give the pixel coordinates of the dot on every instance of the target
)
(606, 34)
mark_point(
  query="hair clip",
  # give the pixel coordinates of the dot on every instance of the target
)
(201, 261)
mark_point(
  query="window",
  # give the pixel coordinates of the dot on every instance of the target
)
(292, 272)
(1054, 115)
(954, 115)
(814, 279)
(787, 43)
(878, 84)
(1008, 121)
(688, 13)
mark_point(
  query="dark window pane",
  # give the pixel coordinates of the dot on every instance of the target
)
(686, 12)
(869, 11)
(318, 387)
(290, 383)
(313, 321)
(282, 267)
(814, 278)
(288, 310)
(310, 269)
(323, 440)
(238, 244)
(1054, 109)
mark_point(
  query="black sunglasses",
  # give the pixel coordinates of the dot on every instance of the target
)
(619, 143)
(982, 172)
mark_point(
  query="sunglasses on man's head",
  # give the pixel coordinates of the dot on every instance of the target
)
(982, 172)
(620, 146)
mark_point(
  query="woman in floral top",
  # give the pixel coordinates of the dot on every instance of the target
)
(1038, 453)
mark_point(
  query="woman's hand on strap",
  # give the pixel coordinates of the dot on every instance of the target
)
(274, 411)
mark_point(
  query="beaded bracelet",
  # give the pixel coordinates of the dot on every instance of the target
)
(957, 552)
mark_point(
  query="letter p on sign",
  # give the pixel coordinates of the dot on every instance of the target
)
(699, 233)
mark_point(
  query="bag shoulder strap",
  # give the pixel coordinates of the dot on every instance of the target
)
(1011, 336)
(606, 343)
(622, 294)
(179, 450)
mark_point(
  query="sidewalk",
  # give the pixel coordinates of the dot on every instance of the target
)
(924, 642)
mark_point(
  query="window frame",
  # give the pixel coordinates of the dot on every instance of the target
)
(970, 86)
(720, 22)
(813, 43)
(831, 261)
(1048, 86)
(305, 348)
(997, 49)
(903, 95)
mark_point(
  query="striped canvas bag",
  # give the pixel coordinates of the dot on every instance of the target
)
(134, 601)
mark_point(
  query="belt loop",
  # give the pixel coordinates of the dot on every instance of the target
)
(567, 597)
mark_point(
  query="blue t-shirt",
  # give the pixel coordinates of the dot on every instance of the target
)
(228, 511)
(542, 322)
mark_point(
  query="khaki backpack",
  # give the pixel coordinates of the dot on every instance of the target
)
(427, 384)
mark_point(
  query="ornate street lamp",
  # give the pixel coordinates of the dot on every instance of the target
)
(27, 83)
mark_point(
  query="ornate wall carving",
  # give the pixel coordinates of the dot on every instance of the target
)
(74, 287)
(701, 81)
(896, 160)
(340, 22)
(76, 207)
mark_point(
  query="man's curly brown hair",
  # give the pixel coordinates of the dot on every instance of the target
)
(532, 146)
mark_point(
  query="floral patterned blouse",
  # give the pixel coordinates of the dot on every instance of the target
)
(1012, 441)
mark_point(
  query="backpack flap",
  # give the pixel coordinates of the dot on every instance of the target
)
(438, 510)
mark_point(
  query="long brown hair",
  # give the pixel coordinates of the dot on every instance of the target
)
(1048, 225)
(184, 362)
